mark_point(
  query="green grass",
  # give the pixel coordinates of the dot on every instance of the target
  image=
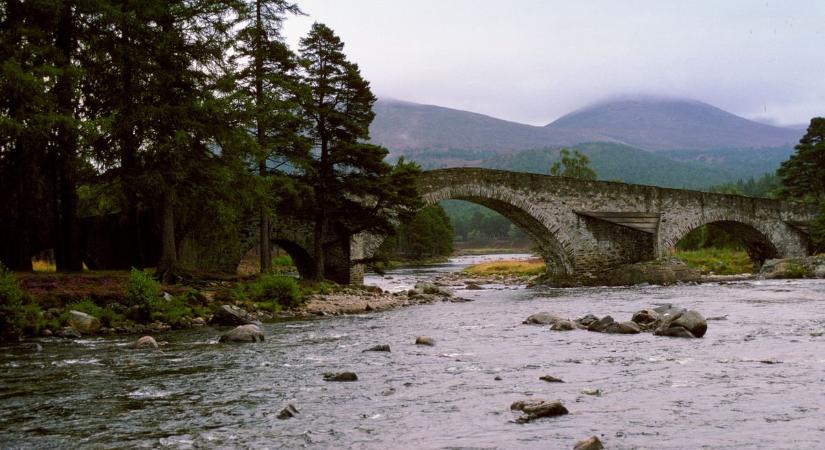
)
(717, 260)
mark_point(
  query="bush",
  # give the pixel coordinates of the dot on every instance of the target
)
(87, 306)
(11, 306)
(274, 292)
(141, 289)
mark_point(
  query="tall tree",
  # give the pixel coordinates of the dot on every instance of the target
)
(267, 87)
(803, 176)
(354, 189)
(576, 165)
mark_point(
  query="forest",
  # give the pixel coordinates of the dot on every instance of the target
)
(162, 122)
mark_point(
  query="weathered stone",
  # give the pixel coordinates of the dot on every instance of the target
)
(233, 316)
(670, 331)
(563, 325)
(432, 289)
(340, 376)
(145, 342)
(542, 318)
(379, 348)
(83, 323)
(622, 328)
(601, 325)
(534, 409)
(551, 379)
(647, 319)
(587, 320)
(288, 412)
(473, 287)
(591, 443)
(244, 333)
(424, 340)
(593, 392)
(198, 322)
(68, 333)
(800, 267)
(691, 321)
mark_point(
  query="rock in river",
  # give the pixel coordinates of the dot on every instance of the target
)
(623, 328)
(379, 348)
(551, 379)
(232, 315)
(592, 443)
(288, 412)
(563, 325)
(601, 325)
(145, 342)
(68, 333)
(83, 323)
(534, 409)
(424, 340)
(340, 376)
(244, 333)
(542, 318)
(647, 319)
(683, 323)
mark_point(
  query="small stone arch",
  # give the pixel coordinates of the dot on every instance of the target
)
(300, 257)
(554, 249)
(755, 238)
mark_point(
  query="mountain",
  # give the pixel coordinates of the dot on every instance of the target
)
(649, 123)
(403, 127)
(653, 124)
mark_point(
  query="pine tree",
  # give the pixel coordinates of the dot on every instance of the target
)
(803, 174)
(267, 88)
(354, 189)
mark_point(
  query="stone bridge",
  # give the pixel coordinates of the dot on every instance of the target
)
(584, 226)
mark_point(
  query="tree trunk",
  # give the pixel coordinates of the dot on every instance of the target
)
(168, 265)
(67, 252)
(321, 208)
(265, 243)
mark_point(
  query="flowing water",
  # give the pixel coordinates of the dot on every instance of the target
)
(754, 381)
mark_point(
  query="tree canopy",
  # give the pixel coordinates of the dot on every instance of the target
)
(576, 165)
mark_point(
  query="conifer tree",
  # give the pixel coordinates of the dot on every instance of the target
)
(354, 189)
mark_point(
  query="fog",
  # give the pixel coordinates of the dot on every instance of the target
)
(532, 61)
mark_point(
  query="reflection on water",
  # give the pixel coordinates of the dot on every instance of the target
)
(754, 381)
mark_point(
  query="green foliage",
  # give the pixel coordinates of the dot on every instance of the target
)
(427, 235)
(818, 230)
(87, 306)
(141, 289)
(271, 292)
(721, 261)
(794, 270)
(282, 264)
(766, 186)
(803, 174)
(12, 313)
(576, 165)
(709, 236)
(476, 223)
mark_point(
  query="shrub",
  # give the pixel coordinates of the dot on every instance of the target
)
(170, 311)
(11, 306)
(87, 306)
(141, 289)
(281, 290)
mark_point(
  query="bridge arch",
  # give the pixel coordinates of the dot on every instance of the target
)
(538, 224)
(756, 236)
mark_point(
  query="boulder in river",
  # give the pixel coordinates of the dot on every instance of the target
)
(68, 333)
(232, 315)
(244, 333)
(563, 325)
(601, 325)
(473, 286)
(424, 287)
(379, 348)
(587, 320)
(534, 409)
(424, 340)
(804, 267)
(551, 379)
(83, 323)
(591, 443)
(340, 376)
(145, 342)
(542, 318)
(682, 323)
(289, 411)
(628, 327)
(646, 319)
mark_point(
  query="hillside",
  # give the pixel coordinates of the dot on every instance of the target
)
(647, 123)
(620, 162)
(666, 124)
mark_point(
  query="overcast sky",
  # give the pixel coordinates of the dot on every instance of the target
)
(532, 61)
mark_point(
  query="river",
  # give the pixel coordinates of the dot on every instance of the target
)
(754, 381)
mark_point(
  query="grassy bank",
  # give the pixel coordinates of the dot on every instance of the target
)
(525, 268)
(717, 260)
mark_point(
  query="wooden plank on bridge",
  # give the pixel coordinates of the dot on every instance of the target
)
(639, 221)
